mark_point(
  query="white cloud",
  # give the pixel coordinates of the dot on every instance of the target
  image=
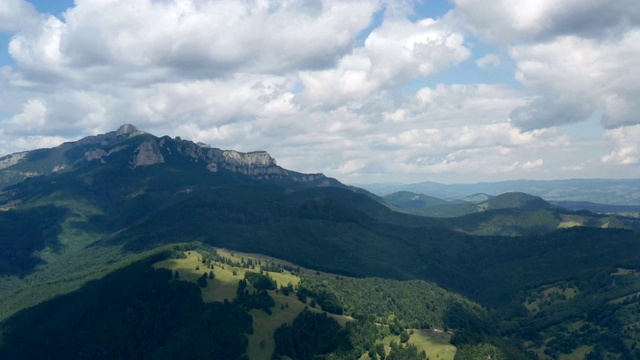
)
(143, 41)
(394, 53)
(32, 118)
(574, 57)
(16, 15)
(626, 148)
(532, 165)
(489, 60)
(506, 21)
(576, 77)
(463, 104)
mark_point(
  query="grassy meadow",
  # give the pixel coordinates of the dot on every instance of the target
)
(224, 286)
(434, 342)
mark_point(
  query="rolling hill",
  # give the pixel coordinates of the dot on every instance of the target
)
(511, 214)
(602, 191)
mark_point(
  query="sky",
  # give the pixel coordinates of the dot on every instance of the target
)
(458, 91)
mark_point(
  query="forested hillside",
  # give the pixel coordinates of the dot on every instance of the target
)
(495, 283)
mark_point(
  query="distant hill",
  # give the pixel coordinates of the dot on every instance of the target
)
(409, 200)
(602, 191)
(515, 200)
(477, 198)
(425, 205)
(599, 208)
(511, 214)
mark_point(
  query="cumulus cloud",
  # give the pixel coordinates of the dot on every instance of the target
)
(31, 119)
(576, 77)
(489, 60)
(398, 51)
(432, 137)
(16, 15)
(146, 41)
(626, 149)
(573, 57)
(507, 22)
(460, 104)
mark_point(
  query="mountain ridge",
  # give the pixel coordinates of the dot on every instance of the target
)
(602, 191)
(144, 149)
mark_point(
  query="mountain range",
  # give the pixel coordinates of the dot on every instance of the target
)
(600, 191)
(120, 233)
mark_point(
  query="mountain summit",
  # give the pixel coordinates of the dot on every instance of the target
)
(131, 148)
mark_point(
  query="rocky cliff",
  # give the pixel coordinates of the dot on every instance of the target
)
(128, 145)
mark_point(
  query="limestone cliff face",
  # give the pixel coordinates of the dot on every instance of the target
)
(254, 163)
(258, 164)
(12, 159)
(257, 158)
(148, 153)
(101, 154)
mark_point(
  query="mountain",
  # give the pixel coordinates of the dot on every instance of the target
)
(425, 205)
(603, 191)
(510, 214)
(599, 208)
(409, 200)
(120, 233)
(477, 198)
(131, 148)
(515, 200)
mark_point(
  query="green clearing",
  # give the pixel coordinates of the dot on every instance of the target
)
(624, 272)
(282, 278)
(571, 220)
(434, 342)
(224, 286)
(261, 342)
(548, 296)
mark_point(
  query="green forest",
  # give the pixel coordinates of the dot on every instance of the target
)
(103, 260)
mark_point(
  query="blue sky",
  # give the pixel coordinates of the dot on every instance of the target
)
(55, 8)
(364, 91)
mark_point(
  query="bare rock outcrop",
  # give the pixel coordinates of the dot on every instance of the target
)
(148, 153)
(12, 159)
(100, 154)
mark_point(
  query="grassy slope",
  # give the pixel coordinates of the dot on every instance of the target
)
(223, 287)
(435, 343)
(261, 342)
